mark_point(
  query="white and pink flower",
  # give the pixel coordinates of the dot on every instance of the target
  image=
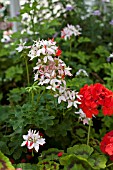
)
(22, 46)
(82, 117)
(33, 140)
(70, 30)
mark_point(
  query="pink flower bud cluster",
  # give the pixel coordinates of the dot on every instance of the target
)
(70, 30)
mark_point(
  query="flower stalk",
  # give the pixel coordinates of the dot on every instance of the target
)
(32, 95)
(32, 153)
(109, 165)
(89, 129)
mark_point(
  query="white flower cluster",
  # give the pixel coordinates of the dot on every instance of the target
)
(45, 48)
(69, 96)
(51, 71)
(70, 30)
(33, 140)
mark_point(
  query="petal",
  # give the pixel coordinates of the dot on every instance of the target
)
(69, 104)
(75, 104)
(50, 58)
(24, 143)
(48, 87)
(46, 81)
(45, 59)
(25, 137)
(20, 48)
(41, 141)
(36, 147)
(61, 98)
(30, 146)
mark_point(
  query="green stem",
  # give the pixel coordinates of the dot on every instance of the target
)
(66, 111)
(27, 70)
(55, 103)
(70, 45)
(41, 95)
(109, 165)
(32, 154)
(32, 94)
(89, 128)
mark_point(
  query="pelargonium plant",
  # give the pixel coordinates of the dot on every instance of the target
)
(50, 71)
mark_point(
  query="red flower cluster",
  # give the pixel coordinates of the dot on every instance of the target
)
(106, 144)
(94, 96)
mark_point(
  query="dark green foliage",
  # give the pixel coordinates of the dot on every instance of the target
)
(26, 166)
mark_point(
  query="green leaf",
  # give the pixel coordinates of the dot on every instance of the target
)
(4, 148)
(4, 113)
(95, 64)
(97, 161)
(26, 166)
(15, 94)
(47, 165)
(50, 154)
(81, 132)
(59, 130)
(84, 40)
(17, 153)
(14, 72)
(5, 163)
(102, 51)
(72, 162)
(82, 150)
(74, 83)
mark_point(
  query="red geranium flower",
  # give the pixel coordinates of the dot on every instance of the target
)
(94, 96)
(89, 100)
(106, 145)
(108, 104)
